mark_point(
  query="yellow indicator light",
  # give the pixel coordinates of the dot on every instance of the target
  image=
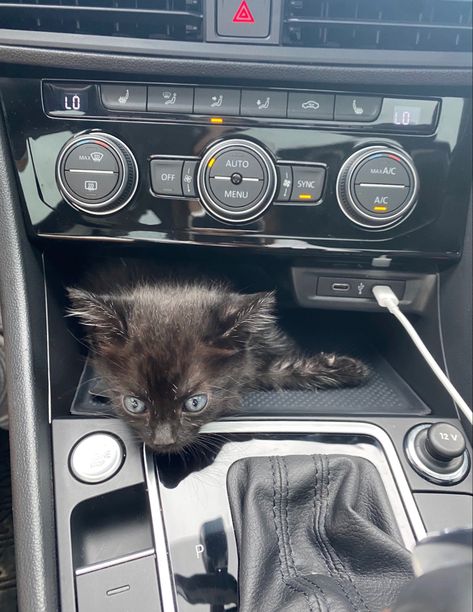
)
(217, 120)
(305, 196)
(380, 208)
(212, 162)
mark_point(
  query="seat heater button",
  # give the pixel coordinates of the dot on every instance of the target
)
(233, 161)
(86, 185)
(91, 156)
(381, 199)
(124, 97)
(384, 170)
(166, 176)
(235, 196)
(357, 108)
(96, 458)
(308, 183)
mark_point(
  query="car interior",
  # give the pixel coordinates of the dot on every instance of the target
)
(317, 149)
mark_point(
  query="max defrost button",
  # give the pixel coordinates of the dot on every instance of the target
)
(166, 176)
(308, 183)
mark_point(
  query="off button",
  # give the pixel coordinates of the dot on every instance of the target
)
(166, 176)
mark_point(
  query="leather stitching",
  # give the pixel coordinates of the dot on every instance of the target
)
(345, 571)
(299, 576)
(327, 557)
(282, 553)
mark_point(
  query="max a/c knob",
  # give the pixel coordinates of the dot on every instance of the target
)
(97, 173)
(377, 187)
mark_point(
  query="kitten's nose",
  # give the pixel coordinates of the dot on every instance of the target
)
(164, 435)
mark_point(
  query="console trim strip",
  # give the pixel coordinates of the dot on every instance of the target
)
(87, 569)
(163, 560)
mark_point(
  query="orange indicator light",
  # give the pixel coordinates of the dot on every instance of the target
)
(305, 196)
(216, 120)
(380, 208)
(211, 162)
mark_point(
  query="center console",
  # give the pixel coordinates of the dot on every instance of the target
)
(320, 194)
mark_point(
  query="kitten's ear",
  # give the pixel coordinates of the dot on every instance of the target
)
(104, 317)
(245, 316)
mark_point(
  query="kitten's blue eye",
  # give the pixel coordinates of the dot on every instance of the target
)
(196, 403)
(133, 405)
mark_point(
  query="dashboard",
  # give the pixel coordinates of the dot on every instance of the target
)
(312, 147)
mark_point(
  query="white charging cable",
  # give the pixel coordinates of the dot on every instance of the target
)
(387, 299)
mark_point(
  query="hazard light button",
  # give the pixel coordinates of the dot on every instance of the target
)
(243, 18)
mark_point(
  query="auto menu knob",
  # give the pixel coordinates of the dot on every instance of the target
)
(377, 187)
(236, 180)
(97, 173)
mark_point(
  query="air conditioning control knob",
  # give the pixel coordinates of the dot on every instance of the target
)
(377, 187)
(237, 181)
(96, 173)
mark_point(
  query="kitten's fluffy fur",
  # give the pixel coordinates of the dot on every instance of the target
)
(167, 340)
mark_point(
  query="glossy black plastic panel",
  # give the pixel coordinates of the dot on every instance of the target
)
(434, 230)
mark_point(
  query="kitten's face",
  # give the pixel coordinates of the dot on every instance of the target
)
(172, 359)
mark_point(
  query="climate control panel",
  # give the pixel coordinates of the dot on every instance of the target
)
(330, 188)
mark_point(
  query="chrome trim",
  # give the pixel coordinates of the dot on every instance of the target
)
(87, 569)
(343, 192)
(426, 472)
(163, 560)
(169, 602)
(123, 155)
(212, 206)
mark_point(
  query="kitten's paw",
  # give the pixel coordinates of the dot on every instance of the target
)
(345, 371)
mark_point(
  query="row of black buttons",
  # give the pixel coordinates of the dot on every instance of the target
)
(246, 102)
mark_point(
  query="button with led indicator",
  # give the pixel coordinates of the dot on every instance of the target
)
(308, 183)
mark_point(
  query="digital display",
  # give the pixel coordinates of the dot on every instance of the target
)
(76, 101)
(406, 115)
(67, 99)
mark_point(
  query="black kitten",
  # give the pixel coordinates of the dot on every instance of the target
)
(176, 355)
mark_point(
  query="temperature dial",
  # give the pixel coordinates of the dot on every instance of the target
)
(237, 181)
(377, 187)
(97, 173)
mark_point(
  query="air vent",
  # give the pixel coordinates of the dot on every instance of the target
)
(151, 19)
(414, 25)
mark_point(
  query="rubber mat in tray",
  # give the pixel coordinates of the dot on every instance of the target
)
(385, 393)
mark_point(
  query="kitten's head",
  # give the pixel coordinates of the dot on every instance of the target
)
(173, 357)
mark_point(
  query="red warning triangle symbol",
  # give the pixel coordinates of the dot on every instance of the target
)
(243, 14)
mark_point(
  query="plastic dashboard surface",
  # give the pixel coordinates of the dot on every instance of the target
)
(434, 230)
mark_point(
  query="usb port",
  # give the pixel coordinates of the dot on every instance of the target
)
(340, 287)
